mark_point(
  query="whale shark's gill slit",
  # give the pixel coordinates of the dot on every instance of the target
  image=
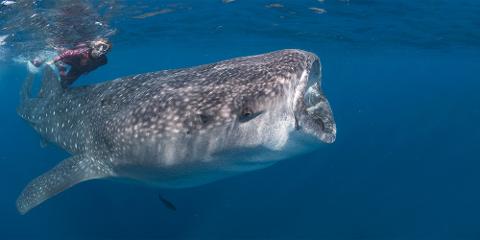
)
(297, 125)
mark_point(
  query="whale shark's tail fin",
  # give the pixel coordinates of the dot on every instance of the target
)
(26, 91)
(50, 87)
(67, 173)
(26, 100)
(50, 83)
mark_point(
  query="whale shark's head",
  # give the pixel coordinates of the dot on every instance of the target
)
(280, 106)
(295, 99)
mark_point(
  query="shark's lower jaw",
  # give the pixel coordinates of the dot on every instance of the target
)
(313, 113)
(319, 111)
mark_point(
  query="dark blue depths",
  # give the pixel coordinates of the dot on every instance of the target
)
(404, 166)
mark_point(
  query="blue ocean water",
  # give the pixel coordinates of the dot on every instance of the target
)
(402, 79)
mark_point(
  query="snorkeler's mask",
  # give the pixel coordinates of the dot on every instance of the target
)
(100, 48)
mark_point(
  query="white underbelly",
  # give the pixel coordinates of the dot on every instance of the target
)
(200, 171)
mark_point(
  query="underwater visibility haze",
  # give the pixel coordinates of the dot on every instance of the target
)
(392, 153)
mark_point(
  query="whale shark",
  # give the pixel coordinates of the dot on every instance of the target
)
(179, 128)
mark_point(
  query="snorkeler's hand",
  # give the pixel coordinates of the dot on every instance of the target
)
(37, 62)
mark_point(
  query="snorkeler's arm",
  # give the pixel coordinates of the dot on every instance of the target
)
(70, 54)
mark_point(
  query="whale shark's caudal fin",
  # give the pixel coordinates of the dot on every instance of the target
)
(26, 100)
(50, 84)
(50, 87)
(26, 90)
(67, 173)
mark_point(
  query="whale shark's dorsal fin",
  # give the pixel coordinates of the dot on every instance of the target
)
(67, 173)
(50, 84)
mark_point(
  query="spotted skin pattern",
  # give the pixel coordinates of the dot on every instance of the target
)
(179, 128)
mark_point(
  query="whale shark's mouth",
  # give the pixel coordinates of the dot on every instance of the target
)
(313, 113)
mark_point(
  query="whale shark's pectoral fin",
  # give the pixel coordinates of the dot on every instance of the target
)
(67, 173)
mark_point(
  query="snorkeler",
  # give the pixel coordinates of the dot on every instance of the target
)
(83, 58)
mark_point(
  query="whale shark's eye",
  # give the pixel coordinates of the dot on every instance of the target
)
(205, 118)
(247, 114)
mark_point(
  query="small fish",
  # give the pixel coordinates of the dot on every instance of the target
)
(2, 39)
(274, 5)
(152, 14)
(318, 10)
(7, 3)
(167, 203)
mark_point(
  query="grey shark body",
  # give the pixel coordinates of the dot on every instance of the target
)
(180, 128)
